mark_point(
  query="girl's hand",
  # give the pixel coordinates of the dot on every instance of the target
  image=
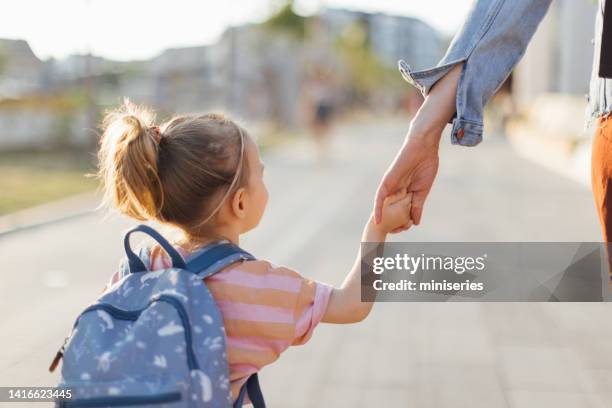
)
(345, 304)
(396, 213)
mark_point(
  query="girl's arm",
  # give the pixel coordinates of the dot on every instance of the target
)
(345, 305)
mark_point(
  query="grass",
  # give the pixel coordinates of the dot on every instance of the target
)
(33, 178)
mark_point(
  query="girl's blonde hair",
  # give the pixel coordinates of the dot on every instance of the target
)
(178, 173)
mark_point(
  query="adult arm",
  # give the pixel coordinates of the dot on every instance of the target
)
(481, 56)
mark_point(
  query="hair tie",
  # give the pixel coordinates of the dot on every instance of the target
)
(156, 133)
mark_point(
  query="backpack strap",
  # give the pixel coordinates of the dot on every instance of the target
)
(208, 261)
(136, 264)
(212, 258)
(255, 395)
(144, 253)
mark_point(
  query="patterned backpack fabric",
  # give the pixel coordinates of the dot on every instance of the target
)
(156, 338)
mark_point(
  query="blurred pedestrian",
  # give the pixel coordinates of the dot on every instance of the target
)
(321, 105)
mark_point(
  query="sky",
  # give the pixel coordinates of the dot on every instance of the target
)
(140, 29)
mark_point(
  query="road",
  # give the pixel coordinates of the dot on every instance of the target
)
(405, 354)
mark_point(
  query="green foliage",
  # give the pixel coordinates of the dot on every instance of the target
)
(3, 59)
(366, 71)
(285, 19)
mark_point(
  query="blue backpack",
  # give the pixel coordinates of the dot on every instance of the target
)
(156, 338)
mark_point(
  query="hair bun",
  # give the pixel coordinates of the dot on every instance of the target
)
(128, 161)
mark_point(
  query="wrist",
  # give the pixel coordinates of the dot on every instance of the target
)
(438, 108)
(424, 133)
(373, 232)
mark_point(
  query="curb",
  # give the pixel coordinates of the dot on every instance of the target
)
(55, 211)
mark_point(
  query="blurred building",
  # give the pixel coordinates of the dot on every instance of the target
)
(249, 71)
(560, 55)
(20, 69)
(179, 79)
(79, 66)
(254, 71)
(550, 87)
(392, 37)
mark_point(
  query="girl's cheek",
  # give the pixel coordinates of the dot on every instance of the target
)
(266, 195)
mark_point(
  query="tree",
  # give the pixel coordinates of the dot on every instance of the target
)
(285, 19)
(3, 59)
(366, 71)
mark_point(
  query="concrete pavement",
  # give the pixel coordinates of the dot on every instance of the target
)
(405, 354)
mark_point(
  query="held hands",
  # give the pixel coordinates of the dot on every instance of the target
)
(414, 169)
(395, 214)
(416, 165)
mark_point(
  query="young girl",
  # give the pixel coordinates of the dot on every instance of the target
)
(203, 174)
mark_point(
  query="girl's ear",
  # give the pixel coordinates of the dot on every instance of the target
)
(239, 203)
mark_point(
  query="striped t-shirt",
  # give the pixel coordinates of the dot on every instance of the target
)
(265, 309)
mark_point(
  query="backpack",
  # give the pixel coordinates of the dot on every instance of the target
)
(156, 338)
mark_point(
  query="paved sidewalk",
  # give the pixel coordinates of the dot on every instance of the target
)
(54, 211)
(405, 354)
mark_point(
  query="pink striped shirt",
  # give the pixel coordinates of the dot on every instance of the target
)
(265, 308)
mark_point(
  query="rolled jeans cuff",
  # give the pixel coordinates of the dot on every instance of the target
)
(466, 132)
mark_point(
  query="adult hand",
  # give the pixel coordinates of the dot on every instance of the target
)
(416, 165)
(413, 171)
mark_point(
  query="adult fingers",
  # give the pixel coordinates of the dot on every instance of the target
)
(418, 200)
(397, 197)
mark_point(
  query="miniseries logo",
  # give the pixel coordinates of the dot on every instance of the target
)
(424, 263)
